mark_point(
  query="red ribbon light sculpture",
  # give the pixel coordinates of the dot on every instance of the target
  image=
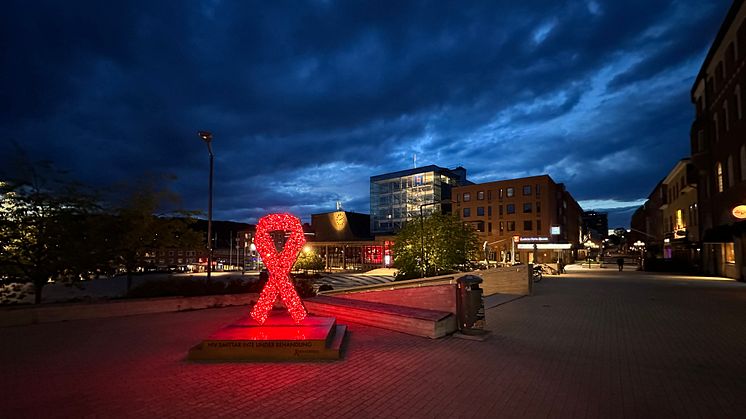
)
(279, 266)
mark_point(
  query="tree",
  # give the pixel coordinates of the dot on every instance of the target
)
(44, 222)
(439, 244)
(136, 228)
(309, 261)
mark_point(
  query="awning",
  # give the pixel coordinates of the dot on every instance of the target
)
(545, 246)
(719, 234)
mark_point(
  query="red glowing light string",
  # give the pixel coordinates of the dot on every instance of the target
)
(279, 266)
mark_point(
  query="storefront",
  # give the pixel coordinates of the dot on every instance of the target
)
(723, 251)
(530, 250)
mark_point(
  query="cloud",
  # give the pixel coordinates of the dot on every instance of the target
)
(307, 100)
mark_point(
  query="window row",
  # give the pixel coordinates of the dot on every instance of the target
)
(502, 192)
(509, 226)
(528, 208)
(721, 182)
(732, 110)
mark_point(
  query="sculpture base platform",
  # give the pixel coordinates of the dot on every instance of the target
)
(278, 339)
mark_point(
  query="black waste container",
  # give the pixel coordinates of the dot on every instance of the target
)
(470, 305)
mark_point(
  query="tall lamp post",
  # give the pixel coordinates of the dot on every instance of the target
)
(207, 138)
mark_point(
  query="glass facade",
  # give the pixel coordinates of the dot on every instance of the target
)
(397, 197)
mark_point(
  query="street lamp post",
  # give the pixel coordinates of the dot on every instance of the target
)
(207, 138)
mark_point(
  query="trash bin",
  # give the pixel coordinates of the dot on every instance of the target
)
(470, 305)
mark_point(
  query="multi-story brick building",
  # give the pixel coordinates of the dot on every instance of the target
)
(718, 144)
(679, 214)
(511, 216)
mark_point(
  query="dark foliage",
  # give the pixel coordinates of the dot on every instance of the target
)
(191, 287)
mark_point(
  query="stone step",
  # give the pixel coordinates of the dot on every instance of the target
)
(279, 339)
(414, 321)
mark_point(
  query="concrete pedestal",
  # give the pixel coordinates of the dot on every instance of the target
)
(278, 339)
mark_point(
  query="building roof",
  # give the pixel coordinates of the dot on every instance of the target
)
(680, 165)
(515, 179)
(417, 170)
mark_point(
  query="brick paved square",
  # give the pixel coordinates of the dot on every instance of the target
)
(598, 344)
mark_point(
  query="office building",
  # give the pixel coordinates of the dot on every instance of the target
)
(595, 225)
(398, 197)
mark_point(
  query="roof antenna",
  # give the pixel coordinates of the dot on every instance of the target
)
(339, 205)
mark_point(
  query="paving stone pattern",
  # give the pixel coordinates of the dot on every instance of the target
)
(595, 344)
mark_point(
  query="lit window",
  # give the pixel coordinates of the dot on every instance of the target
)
(480, 195)
(730, 254)
(467, 196)
(510, 192)
(719, 173)
(679, 219)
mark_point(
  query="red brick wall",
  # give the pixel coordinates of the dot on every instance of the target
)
(434, 297)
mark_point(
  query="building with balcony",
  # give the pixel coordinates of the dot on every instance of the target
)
(511, 216)
(398, 197)
(718, 144)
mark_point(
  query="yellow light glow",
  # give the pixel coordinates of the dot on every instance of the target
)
(306, 249)
(340, 220)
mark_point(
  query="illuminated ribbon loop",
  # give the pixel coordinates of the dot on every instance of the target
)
(279, 266)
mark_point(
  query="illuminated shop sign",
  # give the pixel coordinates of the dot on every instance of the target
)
(739, 212)
(555, 230)
(534, 239)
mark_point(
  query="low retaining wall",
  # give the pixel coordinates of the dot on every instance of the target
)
(439, 293)
(440, 297)
(25, 315)
(506, 280)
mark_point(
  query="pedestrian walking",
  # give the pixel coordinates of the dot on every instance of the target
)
(620, 262)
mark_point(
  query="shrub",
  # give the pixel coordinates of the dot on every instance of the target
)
(304, 287)
(190, 287)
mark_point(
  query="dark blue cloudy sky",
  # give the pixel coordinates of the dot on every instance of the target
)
(307, 100)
